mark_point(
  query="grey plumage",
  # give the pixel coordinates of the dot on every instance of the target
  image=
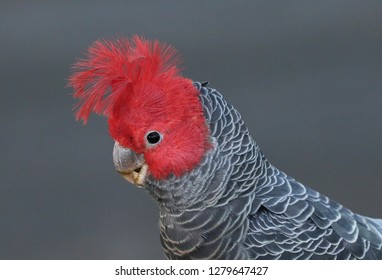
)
(236, 205)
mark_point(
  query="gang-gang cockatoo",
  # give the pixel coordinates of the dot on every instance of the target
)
(218, 196)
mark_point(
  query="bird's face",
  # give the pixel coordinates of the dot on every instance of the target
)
(157, 137)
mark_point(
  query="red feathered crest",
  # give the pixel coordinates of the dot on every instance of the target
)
(115, 67)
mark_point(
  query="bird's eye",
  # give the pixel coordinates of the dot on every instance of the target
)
(153, 137)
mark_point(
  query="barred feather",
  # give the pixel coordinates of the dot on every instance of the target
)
(235, 205)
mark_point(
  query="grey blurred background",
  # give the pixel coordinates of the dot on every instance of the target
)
(305, 75)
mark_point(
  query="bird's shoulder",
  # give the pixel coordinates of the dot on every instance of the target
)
(289, 220)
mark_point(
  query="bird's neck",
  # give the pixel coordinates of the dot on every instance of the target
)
(231, 168)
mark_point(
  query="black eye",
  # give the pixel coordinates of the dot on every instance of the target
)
(153, 137)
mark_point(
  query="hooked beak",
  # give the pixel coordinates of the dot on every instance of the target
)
(130, 165)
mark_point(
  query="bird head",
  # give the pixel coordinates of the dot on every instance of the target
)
(154, 113)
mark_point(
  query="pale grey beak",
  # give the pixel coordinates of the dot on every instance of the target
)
(130, 165)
